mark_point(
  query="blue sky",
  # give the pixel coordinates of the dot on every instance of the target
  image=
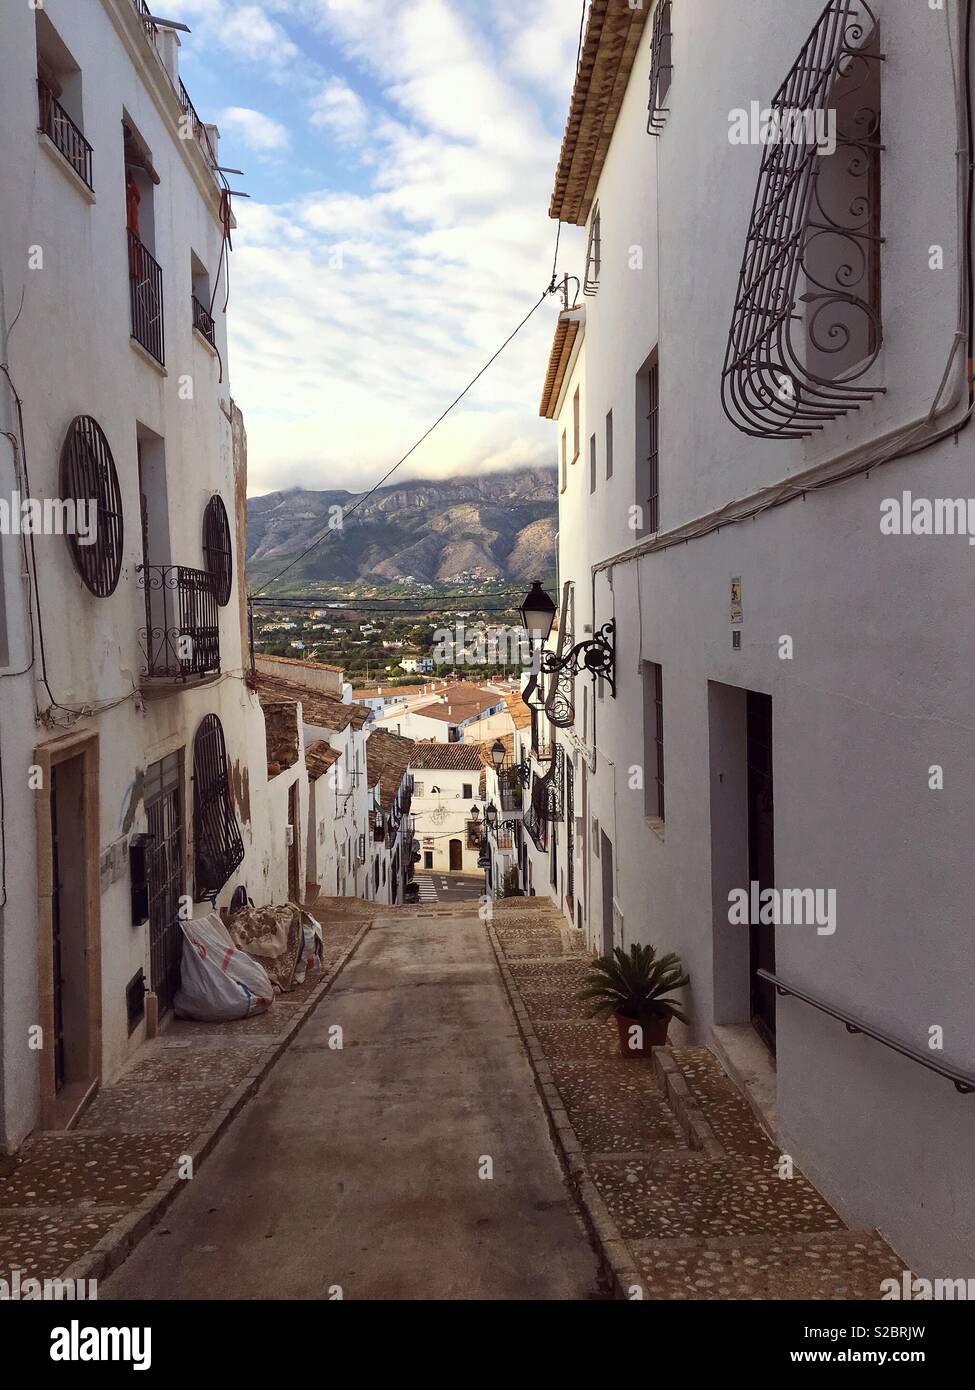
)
(400, 155)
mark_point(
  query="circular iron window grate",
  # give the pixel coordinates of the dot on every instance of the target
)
(88, 478)
(217, 552)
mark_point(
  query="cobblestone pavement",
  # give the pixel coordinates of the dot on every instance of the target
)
(720, 1224)
(62, 1193)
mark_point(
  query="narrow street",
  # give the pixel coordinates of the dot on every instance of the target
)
(360, 1167)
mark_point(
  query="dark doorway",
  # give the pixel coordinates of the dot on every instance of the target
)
(456, 855)
(294, 856)
(428, 858)
(761, 858)
(606, 860)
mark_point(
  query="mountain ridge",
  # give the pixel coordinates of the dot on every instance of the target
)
(490, 525)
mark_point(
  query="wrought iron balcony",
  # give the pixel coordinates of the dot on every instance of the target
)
(148, 23)
(146, 299)
(202, 322)
(181, 638)
(61, 130)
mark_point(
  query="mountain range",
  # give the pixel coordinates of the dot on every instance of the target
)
(439, 530)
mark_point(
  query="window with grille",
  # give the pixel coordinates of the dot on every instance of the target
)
(661, 66)
(653, 742)
(218, 549)
(89, 480)
(648, 446)
(609, 444)
(592, 463)
(218, 847)
(576, 421)
(806, 327)
(565, 470)
(594, 255)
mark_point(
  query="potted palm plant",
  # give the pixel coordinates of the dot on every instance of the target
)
(632, 987)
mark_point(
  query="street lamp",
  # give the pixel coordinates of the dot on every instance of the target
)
(597, 655)
(491, 815)
(537, 613)
(497, 755)
(496, 827)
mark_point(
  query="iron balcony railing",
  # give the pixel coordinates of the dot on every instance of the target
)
(148, 23)
(964, 1082)
(202, 322)
(146, 299)
(181, 638)
(61, 130)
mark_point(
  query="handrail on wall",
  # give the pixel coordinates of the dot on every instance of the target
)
(963, 1082)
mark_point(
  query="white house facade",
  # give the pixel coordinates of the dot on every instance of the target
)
(132, 748)
(763, 418)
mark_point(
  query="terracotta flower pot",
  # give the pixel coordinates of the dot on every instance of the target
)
(654, 1034)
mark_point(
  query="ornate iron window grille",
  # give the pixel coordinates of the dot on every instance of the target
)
(218, 551)
(88, 475)
(769, 386)
(548, 798)
(146, 299)
(661, 67)
(181, 639)
(219, 849)
(61, 130)
(594, 255)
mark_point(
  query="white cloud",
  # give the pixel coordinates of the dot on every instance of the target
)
(341, 110)
(358, 312)
(257, 131)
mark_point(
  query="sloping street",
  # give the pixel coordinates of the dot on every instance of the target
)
(412, 1162)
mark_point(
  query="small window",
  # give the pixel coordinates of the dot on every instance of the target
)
(59, 97)
(565, 469)
(653, 740)
(592, 463)
(468, 791)
(609, 444)
(576, 412)
(218, 549)
(90, 482)
(661, 66)
(593, 255)
(648, 446)
(200, 299)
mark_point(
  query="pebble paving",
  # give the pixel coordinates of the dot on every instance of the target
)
(61, 1193)
(698, 1227)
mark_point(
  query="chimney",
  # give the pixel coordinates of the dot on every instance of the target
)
(168, 50)
(213, 135)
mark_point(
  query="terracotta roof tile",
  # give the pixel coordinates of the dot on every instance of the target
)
(319, 757)
(612, 38)
(387, 758)
(446, 757)
(317, 707)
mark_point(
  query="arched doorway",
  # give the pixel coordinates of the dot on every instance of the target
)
(456, 854)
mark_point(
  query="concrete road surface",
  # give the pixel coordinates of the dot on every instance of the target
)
(366, 1169)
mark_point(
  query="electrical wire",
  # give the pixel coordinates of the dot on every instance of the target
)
(331, 531)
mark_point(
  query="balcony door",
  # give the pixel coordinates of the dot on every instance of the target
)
(165, 873)
(761, 858)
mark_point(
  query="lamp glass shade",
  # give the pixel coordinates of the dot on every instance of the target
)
(491, 814)
(497, 754)
(538, 613)
(475, 812)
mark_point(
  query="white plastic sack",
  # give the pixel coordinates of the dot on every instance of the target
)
(310, 958)
(218, 982)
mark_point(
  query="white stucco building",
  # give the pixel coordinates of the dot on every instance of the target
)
(766, 373)
(448, 782)
(131, 746)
